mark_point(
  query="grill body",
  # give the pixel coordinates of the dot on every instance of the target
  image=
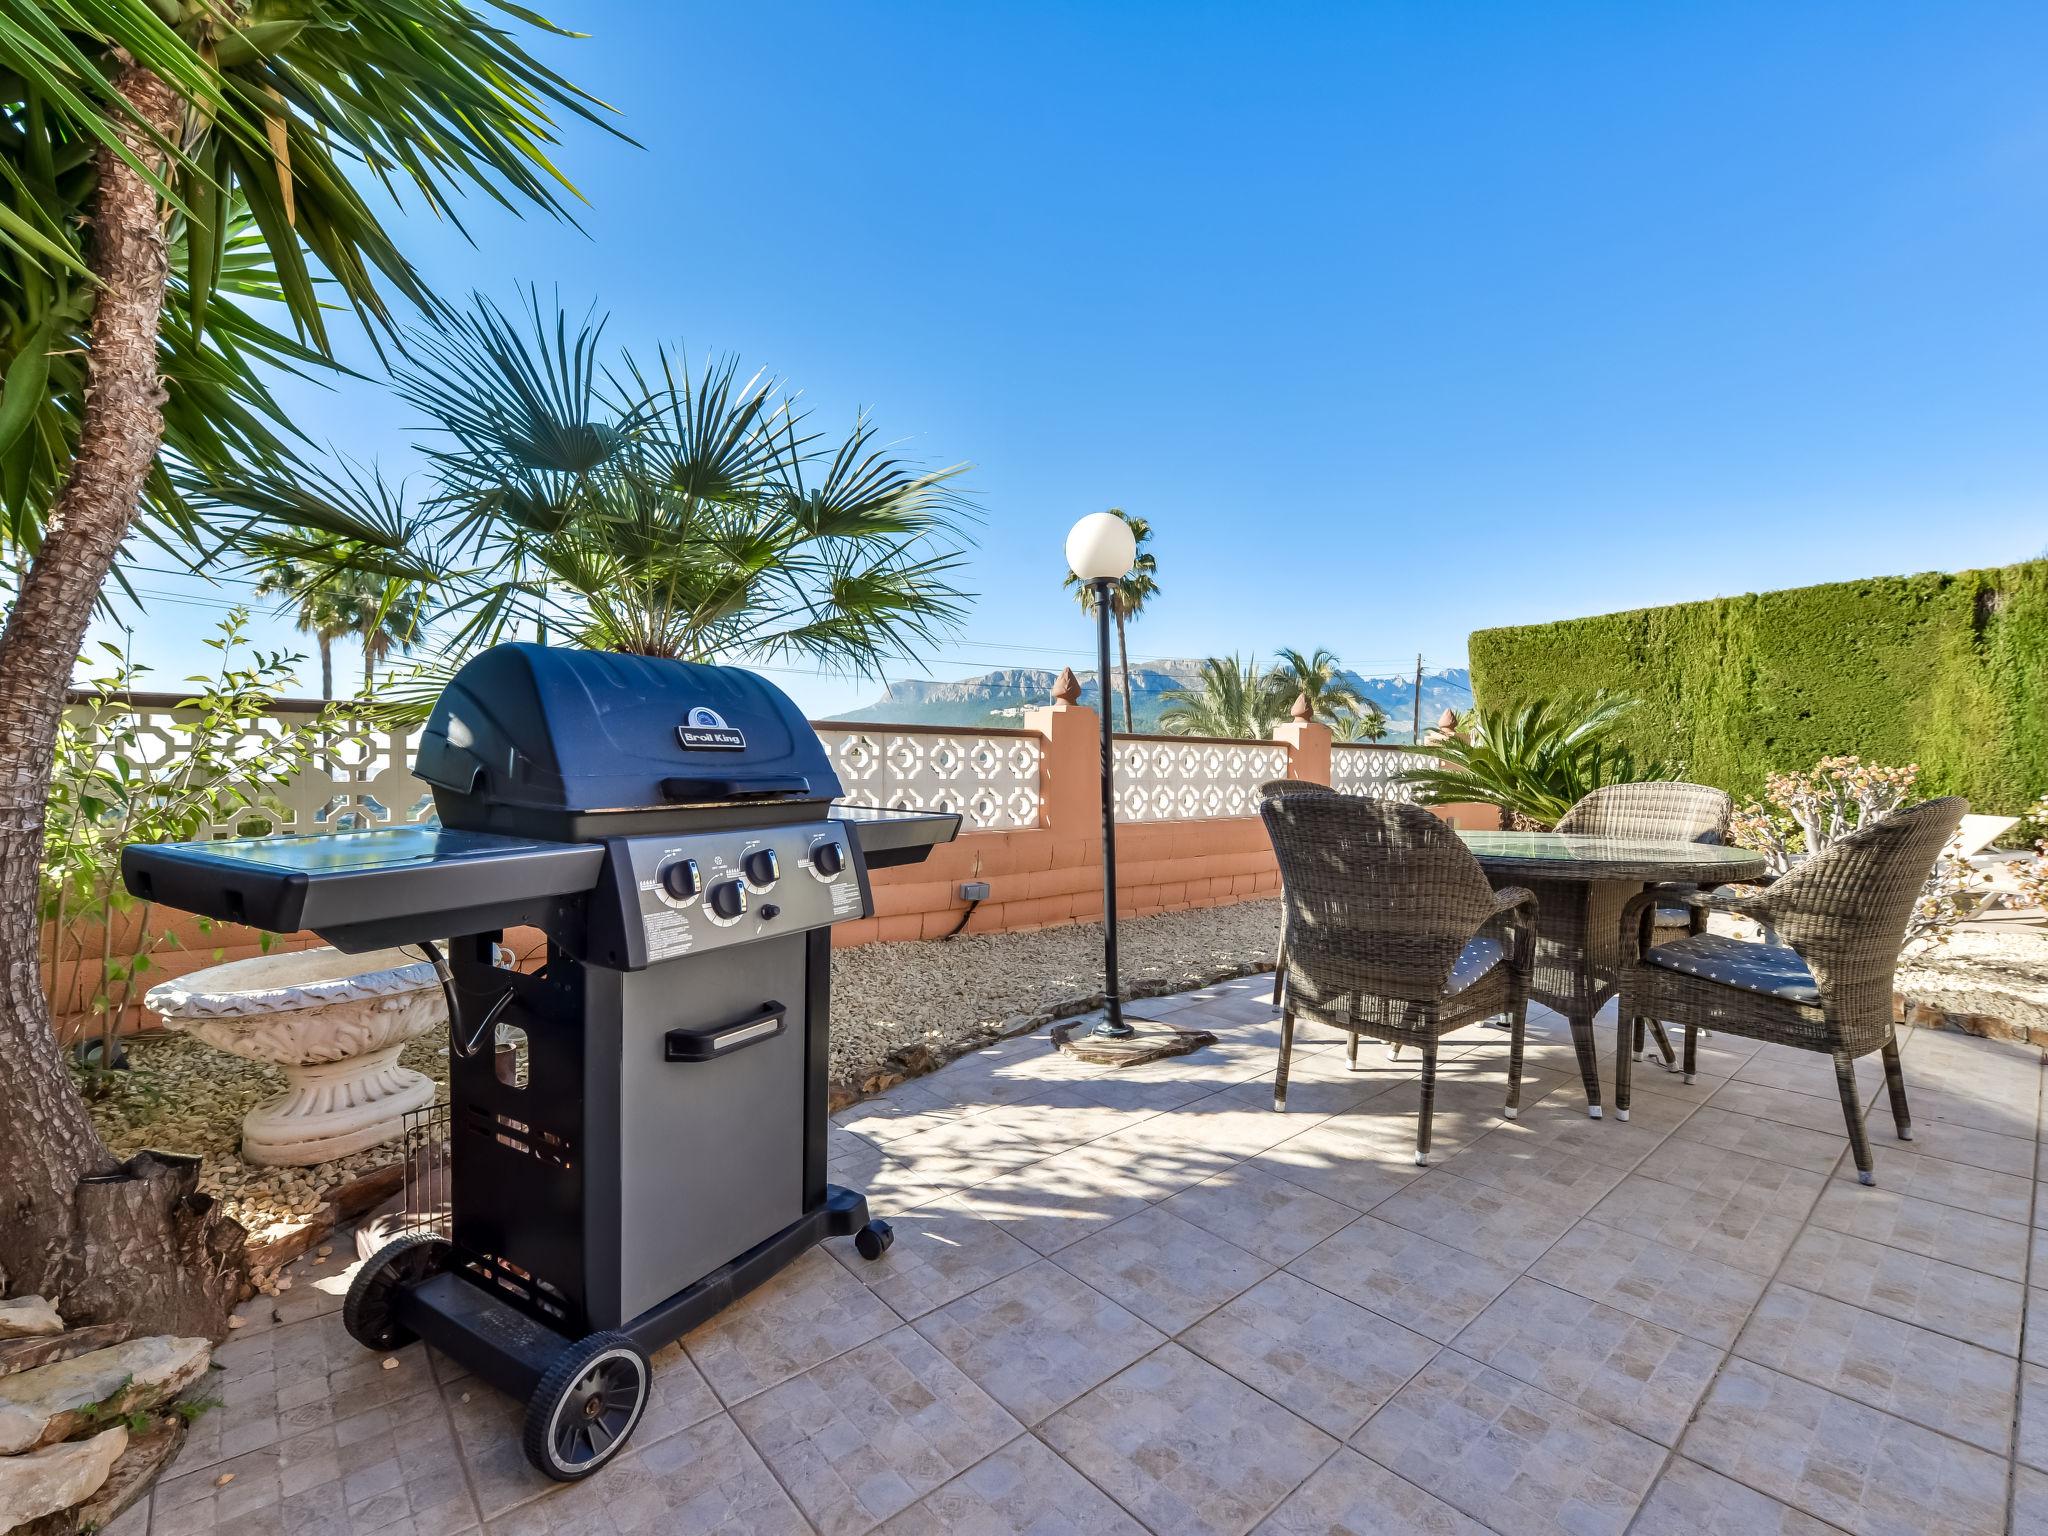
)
(637, 1125)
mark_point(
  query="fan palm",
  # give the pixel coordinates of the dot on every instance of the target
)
(1236, 697)
(162, 159)
(1319, 679)
(333, 601)
(1366, 721)
(1535, 760)
(620, 508)
(1127, 599)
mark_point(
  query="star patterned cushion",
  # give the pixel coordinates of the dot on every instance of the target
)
(1769, 969)
(1474, 961)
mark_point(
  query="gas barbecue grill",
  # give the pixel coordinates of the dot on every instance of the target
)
(637, 1128)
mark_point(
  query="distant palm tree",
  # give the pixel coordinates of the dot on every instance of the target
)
(334, 601)
(1366, 722)
(1127, 601)
(1317, 678)
(1237, 697)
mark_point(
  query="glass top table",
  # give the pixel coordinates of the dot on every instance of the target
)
(1581, 885)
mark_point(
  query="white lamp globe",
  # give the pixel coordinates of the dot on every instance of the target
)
(1101, 547)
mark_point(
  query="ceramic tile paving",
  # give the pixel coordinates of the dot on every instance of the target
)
(1699, 1297)
(1261, 1212)
(1325, 1358)
(1037, 1339)
(1186, 1447)
(1960, 1389)
(1692, 1500)
(1608, 1362)
(1853, 1466)
(1351, 1496)
(1168, 1271)
(1921, 1226)
(1022, 1490)
(1962, 1303)
(1420, 1283)
(1694, 1321)
(941, 1252)
(1510, 1455)
(868, 1433)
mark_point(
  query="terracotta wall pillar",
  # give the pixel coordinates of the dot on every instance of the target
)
(1070, 761)
(1308, 744)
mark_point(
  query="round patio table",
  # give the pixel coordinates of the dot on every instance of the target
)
(1581, 885)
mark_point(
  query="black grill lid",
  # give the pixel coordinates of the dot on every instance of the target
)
(553, 741)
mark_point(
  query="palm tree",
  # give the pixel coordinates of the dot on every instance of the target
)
(1236, 697)
(1365, 722)
(1317, 678)
(332, 601)
(630, 509)
(147, 136)
(1127, 600)
(1536, 760)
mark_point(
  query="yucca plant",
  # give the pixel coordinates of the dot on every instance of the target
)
(1236, 697)
(1535, 760)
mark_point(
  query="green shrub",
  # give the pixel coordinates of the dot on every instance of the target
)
(1946, 671)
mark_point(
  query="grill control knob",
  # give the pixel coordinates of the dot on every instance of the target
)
(727, 901)
(761, 868)
(827, 860)
(682, 880)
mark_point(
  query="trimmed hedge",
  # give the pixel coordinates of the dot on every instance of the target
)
(1947, 671)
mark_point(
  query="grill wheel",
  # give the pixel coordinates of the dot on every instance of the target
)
(368, 1313)
(586, 1406)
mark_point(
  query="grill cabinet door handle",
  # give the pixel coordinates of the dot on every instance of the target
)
(713, 1041)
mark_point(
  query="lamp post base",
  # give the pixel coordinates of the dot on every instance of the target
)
(1143, 1040)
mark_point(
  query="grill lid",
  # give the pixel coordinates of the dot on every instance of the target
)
(534, 730)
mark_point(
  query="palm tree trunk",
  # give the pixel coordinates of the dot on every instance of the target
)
(1123, 657)
(104, 1240)
(326, 665)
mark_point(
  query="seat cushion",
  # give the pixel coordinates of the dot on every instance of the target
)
(1474, 961)
(1769, 969)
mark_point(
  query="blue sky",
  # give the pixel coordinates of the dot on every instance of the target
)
(1397, 320)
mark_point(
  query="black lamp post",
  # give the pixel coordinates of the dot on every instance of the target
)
(1100, 550)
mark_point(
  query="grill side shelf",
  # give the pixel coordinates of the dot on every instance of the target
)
(408, 883)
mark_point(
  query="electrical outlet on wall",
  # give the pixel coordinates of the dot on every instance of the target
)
(974, 890)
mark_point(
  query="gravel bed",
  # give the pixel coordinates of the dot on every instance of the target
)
(898, 1009)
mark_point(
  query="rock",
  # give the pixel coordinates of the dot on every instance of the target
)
(28, 1317)
(147, 1455)
(54, 1402)
(27, 1354)
(58, 1477)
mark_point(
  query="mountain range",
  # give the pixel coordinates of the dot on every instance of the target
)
(1001, 697)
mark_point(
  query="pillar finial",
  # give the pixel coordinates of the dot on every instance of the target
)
(1067, 688)
(1300, 710)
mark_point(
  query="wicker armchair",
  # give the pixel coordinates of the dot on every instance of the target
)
(1826, 987)
(1394, 933)
(1269, 790)
(1662, 811)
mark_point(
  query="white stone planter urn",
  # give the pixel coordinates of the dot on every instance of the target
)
(334, 1024)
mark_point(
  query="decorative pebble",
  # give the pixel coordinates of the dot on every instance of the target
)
(390, 1365)
(224, 1479)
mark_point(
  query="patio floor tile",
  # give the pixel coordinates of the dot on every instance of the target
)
(1840, 1461)
(1692, 1500)
(1060, 1201)
(2029, 1502)
(1351, 1496)
(941, 1252)
(1186, 1447)
(868, 1433)
(1616, 1366)
(1022, 1490)
(1352, 1159)
(1508, 1454)
(1420, 1283)
(1699, 1297)
(1904, 1169)
(1534, 1171)
(1935, 1381)
(1930, 1293)
(1920, 1226)
(1772, 1140)
(1038, 1338)
(810, 1312)
(1325, 1358)
(2030, 1444)
(1168, 1271)
(1561, 1121)
(1261, 1212)
(1476, 1218)
(1783, 1104)
(1713, 1203)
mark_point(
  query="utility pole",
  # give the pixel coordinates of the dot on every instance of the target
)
(1415, 730)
